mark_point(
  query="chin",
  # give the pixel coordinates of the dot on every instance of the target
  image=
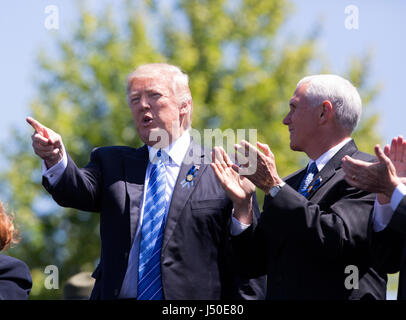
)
(144, 139)
(294, 147)
(158, 137)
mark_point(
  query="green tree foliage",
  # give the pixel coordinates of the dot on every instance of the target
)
(240, 77)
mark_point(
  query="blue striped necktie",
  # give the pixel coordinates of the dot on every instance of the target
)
(311, 172)
(153, 225)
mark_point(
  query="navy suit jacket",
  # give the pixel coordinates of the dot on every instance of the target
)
(196, 261)
(15, 279)
(395, 244)
(305, 245)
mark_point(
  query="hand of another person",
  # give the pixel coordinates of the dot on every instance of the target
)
(397, 154)
(46, 143)
(378, 177)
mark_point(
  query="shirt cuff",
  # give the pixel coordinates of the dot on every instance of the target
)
(54, 174)
(236, 226)
(382, 214)
(397, 196)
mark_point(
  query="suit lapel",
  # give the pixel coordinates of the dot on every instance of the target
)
(294, 179)
(181, 192)
(135, 168)
(330, 169)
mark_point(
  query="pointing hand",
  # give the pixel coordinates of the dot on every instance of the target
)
(46, 143)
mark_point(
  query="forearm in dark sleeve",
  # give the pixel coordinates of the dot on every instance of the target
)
(78, 188)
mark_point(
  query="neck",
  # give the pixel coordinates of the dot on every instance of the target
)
(322, 147)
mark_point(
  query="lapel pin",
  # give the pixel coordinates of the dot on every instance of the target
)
(190, 175)
(314, 185)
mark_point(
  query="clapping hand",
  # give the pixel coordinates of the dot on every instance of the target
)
(238, 188)
(381, 177)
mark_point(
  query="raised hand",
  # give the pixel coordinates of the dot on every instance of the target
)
(46, 143)
(239, 189)
(397, 154)
(380, 177)
(260, 166)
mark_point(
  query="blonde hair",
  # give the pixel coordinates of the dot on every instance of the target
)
(178, 79)
(8, 233)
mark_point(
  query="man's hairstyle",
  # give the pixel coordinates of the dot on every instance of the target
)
(178, 79)
(340, 92)
(8, 234)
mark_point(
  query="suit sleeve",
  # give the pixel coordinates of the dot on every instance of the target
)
(398, 221)
(333, 228)
(249, 249)
(250, 286)
(390, 244)
(78, 188)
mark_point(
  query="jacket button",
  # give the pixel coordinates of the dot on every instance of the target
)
(167, 263)
(116, 292)
(126, 254)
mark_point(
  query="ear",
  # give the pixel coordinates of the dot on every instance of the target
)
(184, 107)
(327, 111)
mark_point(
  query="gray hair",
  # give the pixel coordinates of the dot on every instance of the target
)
(179, 81)
(340, 92)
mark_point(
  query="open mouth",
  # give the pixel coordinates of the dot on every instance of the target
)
(146, 120)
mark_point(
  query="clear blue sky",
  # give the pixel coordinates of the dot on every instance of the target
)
(381, 30)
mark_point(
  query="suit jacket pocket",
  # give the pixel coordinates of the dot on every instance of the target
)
(208, 204)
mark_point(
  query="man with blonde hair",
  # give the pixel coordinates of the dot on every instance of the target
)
(163, 220)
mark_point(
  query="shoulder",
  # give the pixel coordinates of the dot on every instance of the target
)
(117, 152)
(364, 156)
(114, 150)
(15, 279)
(10, 266)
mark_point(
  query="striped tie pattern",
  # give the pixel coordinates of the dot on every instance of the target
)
(311, 172)
(153, 224)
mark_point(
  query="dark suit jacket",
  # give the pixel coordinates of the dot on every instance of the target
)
(304, 245)
(396, 231)
(195, 259)
(15, 279)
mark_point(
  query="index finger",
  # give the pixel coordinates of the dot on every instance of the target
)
(226, 158)
(399, 149)
(37, 126)
(393, 147)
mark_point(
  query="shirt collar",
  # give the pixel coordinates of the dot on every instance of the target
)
(326, 157)
(176, 150)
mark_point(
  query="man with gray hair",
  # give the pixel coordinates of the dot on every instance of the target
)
(312, 238)
(163, 220)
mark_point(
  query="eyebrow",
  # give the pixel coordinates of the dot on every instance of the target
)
(133, 93)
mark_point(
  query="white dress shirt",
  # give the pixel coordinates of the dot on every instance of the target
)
(176, 152)
(237, 227)
(383, 213)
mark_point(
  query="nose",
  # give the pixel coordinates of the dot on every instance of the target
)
(144, 102)
(286, 120)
